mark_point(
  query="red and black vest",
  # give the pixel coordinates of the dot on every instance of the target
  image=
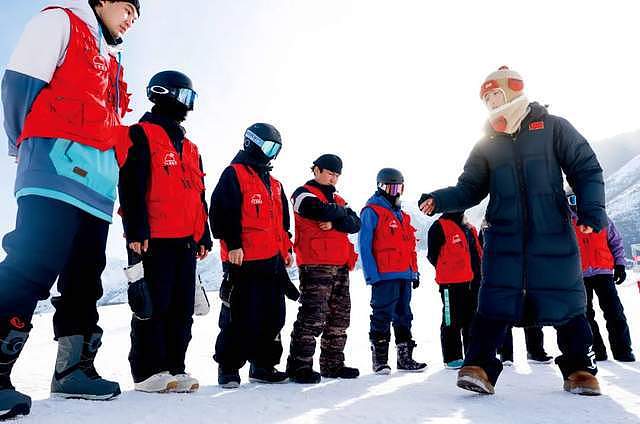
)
(85, 99)
(263, 235)
(394, 242)
(594, 249)
(314, 246)
(454, 260)
(174, 202)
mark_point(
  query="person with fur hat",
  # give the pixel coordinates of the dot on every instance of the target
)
(324, 256)
(249, 214)
(64, 97)
(531, 263)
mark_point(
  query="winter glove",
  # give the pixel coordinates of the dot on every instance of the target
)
(416, 282)
(138, 292)
(291, 291)
(201, 305)
(226, 287)
(619, 274)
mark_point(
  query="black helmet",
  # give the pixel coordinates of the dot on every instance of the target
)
(389, 176)
(330, 162)
(173, 85)
(263, 139)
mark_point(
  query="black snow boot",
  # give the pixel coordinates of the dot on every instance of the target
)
(380, 354)
(267, 375)
(301, 373)
(13, 335)
(228, 378)
(344, 372)
(405, 358)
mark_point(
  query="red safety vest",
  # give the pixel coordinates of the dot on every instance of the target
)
(314, 246)
(454, 261)
(174, 202)
(394, 242)
(263, 235)
(82, 100)
(594, 249)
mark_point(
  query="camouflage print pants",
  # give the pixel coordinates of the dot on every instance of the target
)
(325, 310)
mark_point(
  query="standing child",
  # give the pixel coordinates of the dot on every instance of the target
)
(165, 221)
(388, 251)
(455, 251)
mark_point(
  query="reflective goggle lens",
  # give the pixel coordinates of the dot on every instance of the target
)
(269, 148)
(392, 189)
(187, 97)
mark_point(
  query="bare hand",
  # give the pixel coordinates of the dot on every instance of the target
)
(288, 261)
(236, 256)
(139, 247)
(202, 253)
(325, 225)
(585, 229)
(428, 206)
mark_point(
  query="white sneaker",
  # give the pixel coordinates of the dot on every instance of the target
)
(162, 382)
(186, 383)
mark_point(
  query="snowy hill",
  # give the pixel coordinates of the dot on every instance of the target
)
(526, 394)
(623, 201)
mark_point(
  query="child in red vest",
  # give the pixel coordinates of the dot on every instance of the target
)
(165, 222)
(455, 251)
(324, 256)
(388, 251)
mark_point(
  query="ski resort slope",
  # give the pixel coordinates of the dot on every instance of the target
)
(524, 394)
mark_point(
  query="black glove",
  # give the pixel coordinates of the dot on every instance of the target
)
(226, 287)
(291, 291)
(138, 292)
(423, 198)
(619, 274)
(416, 282)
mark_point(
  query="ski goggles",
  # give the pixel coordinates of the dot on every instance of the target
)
(572, 200)
(392, 189)
(269, 148)
(185, 96)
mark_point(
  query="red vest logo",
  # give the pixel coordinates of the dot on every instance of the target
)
(170, 159)
(100, 63)
(455, 239)
(393, 224)
(537, 125)
(256, 199)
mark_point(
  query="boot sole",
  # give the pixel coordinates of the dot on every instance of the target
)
(583, 391)
(230, 385)
(467, 382)
(383, 371)
(16, 411)
(257, 380)
(413, 371)
(79, 396)
(170, 387)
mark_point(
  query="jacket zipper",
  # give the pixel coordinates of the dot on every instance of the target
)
(525, 214)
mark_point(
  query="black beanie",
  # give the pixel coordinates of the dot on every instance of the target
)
(330, 162)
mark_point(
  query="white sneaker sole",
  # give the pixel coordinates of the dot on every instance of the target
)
(170, 387)
(187, 389)
(414, 371)
(467, 382)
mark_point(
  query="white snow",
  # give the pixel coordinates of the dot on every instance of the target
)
(526, 394)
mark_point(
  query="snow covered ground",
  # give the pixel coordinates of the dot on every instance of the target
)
(525, 394)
